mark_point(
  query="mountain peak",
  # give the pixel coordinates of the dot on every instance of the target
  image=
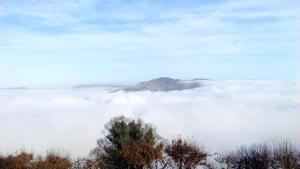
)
(163, 84)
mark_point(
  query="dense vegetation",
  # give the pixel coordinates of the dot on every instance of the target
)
(133, 144)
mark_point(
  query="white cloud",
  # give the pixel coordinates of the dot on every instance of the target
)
(213, 30)
(51, 13)
(221, 115)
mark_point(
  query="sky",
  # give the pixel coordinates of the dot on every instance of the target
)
(70, 42)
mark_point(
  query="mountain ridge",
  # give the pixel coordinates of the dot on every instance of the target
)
(164, 84)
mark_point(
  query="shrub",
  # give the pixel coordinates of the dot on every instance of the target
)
(186, 154)
(278, 155)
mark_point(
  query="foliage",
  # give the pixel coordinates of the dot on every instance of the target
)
(279, 155)
(128, 144)
(53, 161)
(186, 154)
(25, 160)
(21, 160)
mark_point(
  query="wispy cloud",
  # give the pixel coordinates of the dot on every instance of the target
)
(51, 13)
(217, 33)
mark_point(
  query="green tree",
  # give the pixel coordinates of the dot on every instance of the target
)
(128, 144)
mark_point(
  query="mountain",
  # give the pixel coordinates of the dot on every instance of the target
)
(164, 84)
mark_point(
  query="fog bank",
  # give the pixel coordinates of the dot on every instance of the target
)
(220, 115)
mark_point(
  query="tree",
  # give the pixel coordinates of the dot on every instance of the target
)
(52, 161)
(128, 144)
(186, 155)
(18, 161)
(25, 160)
(84, 163)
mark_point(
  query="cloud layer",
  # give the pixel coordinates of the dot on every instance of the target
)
(220, 115)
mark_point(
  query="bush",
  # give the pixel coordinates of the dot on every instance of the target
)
(286, 155)
(279, 155)
(186, 154)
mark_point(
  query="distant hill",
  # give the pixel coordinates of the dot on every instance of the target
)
(164, 84)
(98, 85)
(15, 88)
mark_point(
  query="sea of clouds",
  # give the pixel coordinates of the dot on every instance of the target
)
(220, 115)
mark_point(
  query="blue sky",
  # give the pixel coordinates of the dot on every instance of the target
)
(68, 42)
